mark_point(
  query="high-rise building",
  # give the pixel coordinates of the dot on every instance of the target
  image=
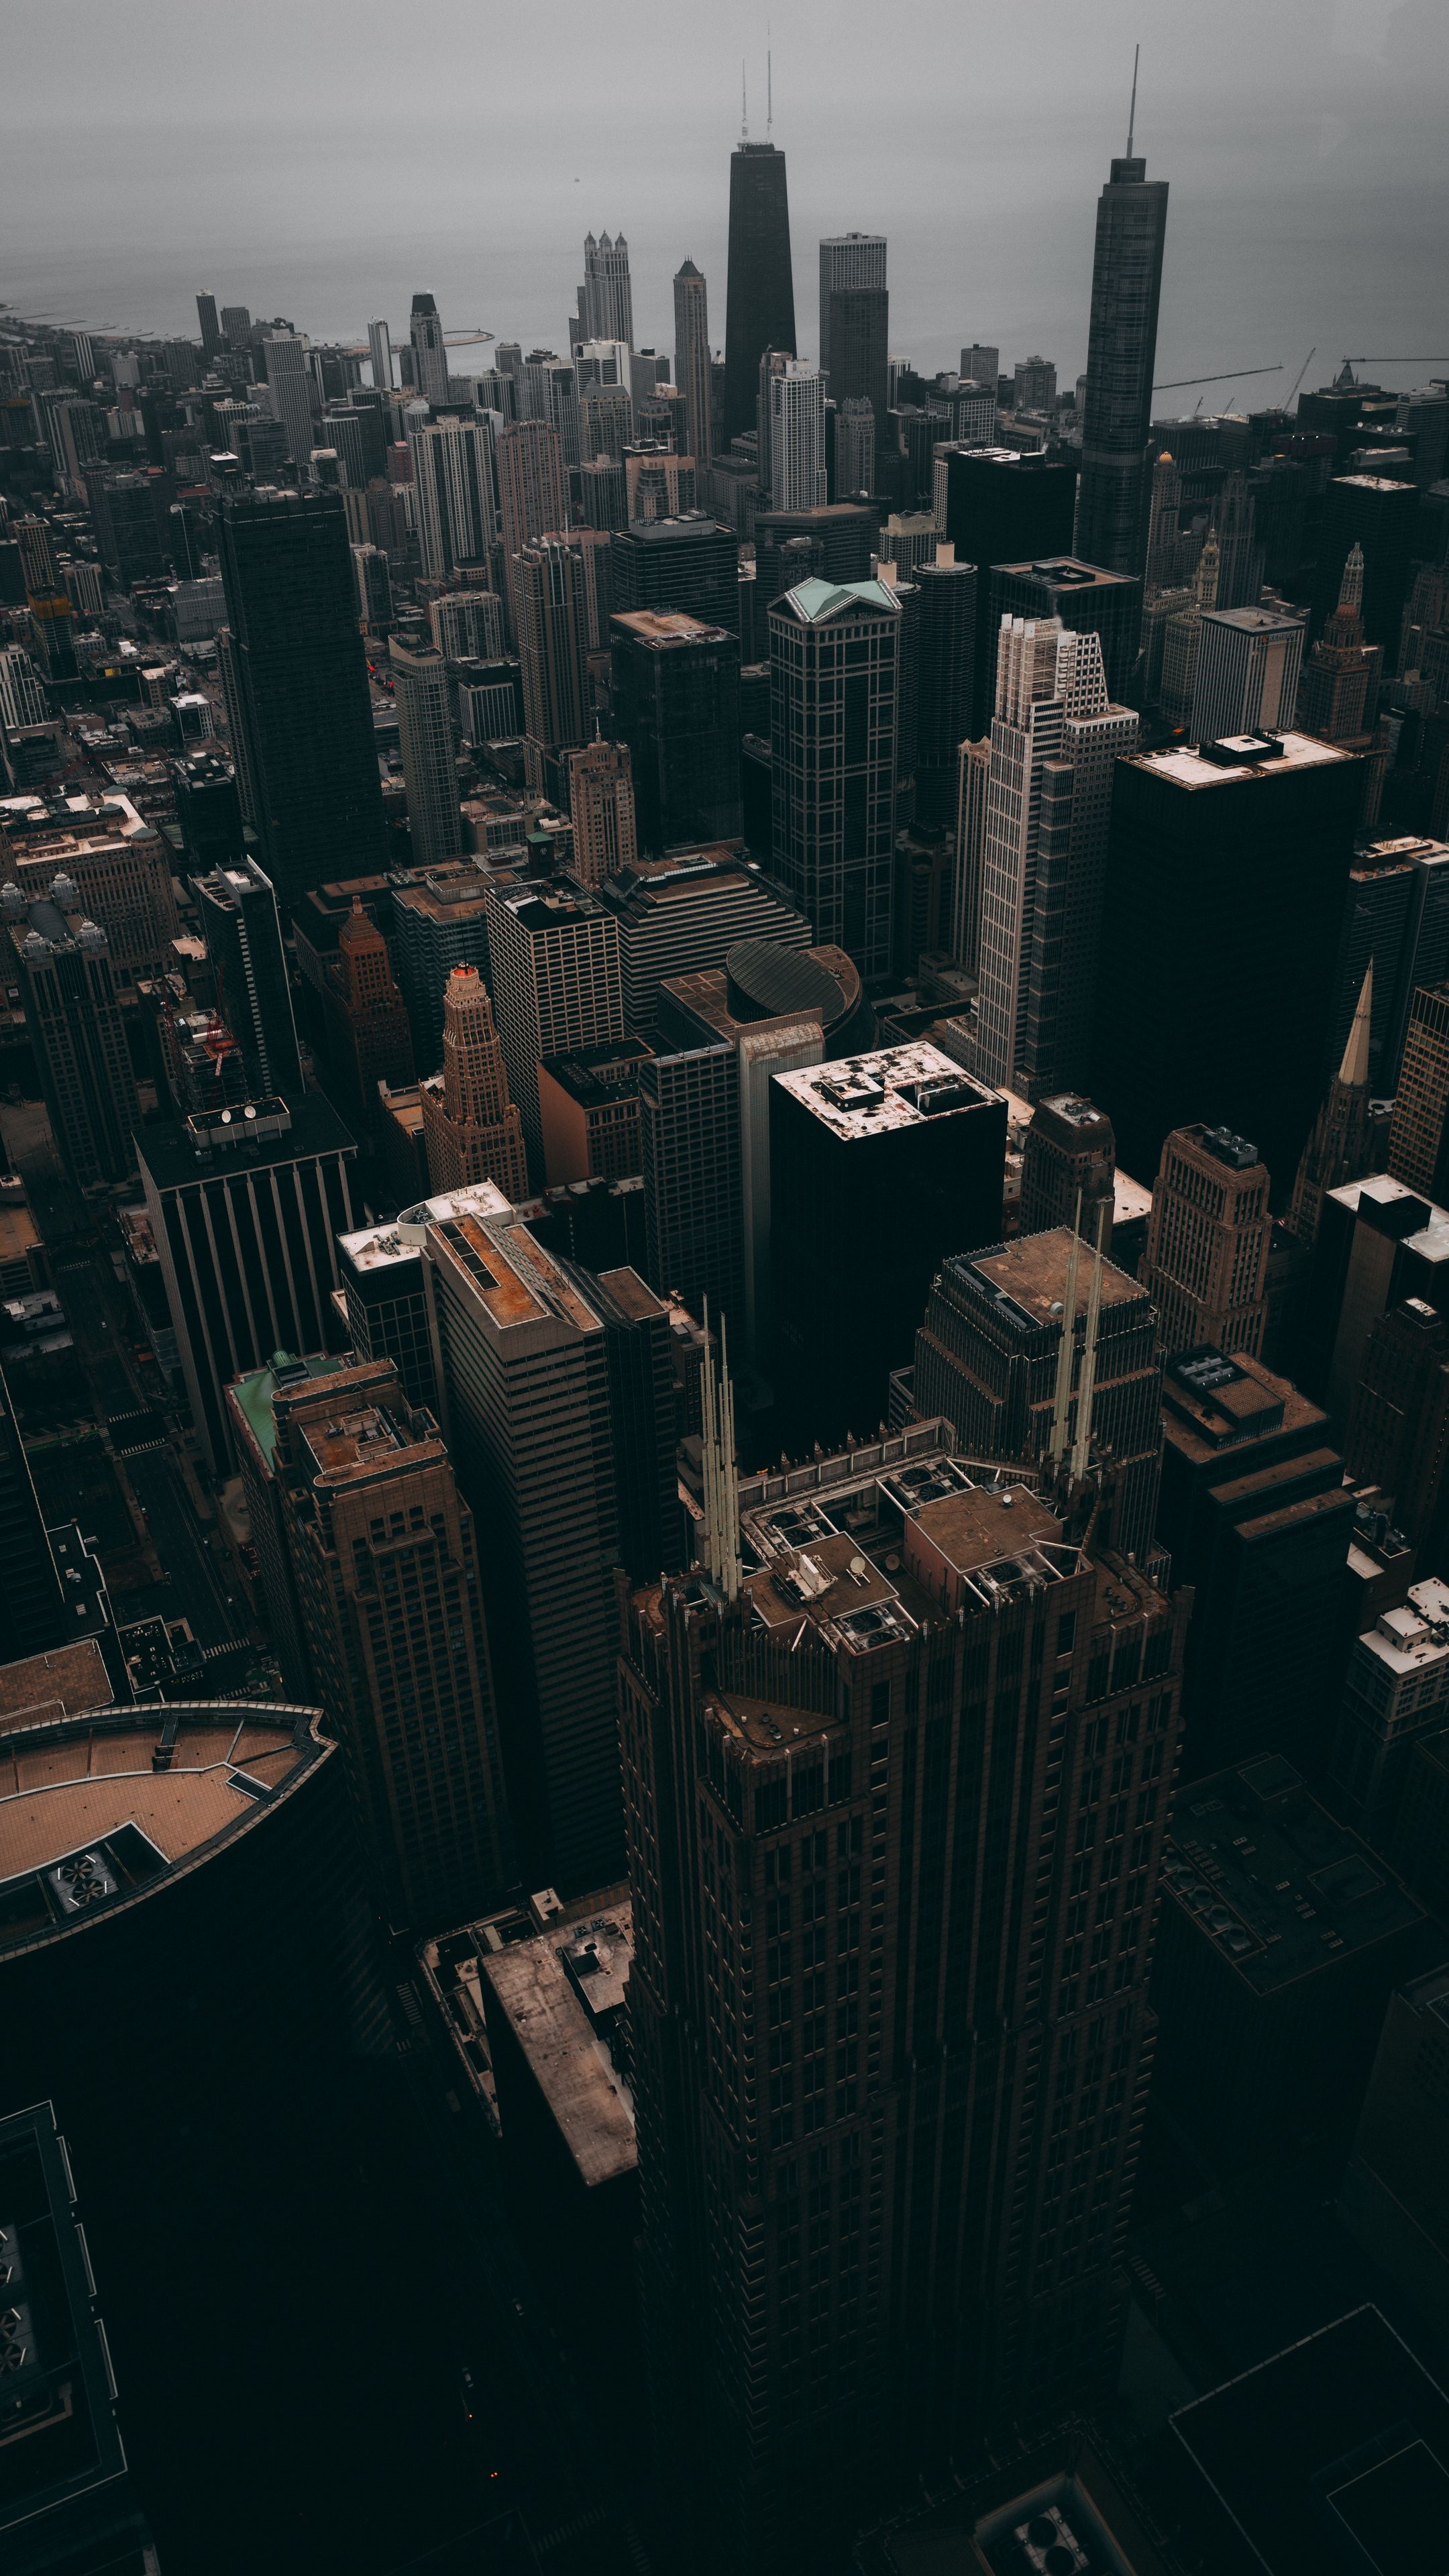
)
(833, 741)
(879, 1163)
(1341, 1147)
(370, 1030)
(589, 1108)
(295, 676)
(1206, 1264)
(601, 809)
(554, 961)
(676, 706)
(1034, 385)
(1055, 739)
(238, 911)
(1339, 685)
(468, 625)
(855, 446)
(1069, 1149)
(691, 357)
(428, 744)
(379, 349)
(1258, 833)
(22, 691)
(454, 480)
(606, 298)
(210, 327)
(990, 1357)
(1246, 680)
(1182, 637)
(844, 537)
(689, 1137)
(1113, 494)
(760, 293)
(373, 575)
(946, 597)
(292, 390)
(682, 915)
(1254, 1513)
(688, 562)
(430, 356)
(1397, 1435)
(532, 491)
(61, 962)
(981, 365)
(1419, 1134)
(558, 1408)
(1379, 516)
(796, 430)
(246, 1206)
(385, 1561)
(471, 1128)
(850, 263)
(1087, 600)
(115, 861)
(855, 330)
(552, 617)
(821, 2318)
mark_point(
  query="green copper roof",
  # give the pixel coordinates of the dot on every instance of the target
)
(253, 1395)
(814, 600)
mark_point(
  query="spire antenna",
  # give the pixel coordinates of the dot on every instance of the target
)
(1132, 111)
(769, 88)
(744, 107)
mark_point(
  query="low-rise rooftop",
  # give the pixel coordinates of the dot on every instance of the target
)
(562, 1996)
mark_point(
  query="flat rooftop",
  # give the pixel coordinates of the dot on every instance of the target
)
(107, 1802)
(1214, 1401)
(254, 1396)
(356, 1442)
(167, 1148)
(1270, 1879)
(1031, 1274)
(902, 1086)
(660, 627)
(599, 1076)
(1067, 573)
(1294, 751)
(561, 1994)
(63, 1683)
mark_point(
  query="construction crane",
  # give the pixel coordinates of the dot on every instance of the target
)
(1175, 384)
(1298, 379)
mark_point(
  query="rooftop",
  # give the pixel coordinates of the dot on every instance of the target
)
(1272, 1881)
(1261, 756)
(815, 602)
(904, 1086)
(563, 1997)
(1031, 1274)
(349, 1444)
(96, 1808)
(1414, 1638)
(59, 1684)
(1068, 572)
(254, 1395)
(597, 1076)
(1214, 1402)
(660, 627)
(171, 1149)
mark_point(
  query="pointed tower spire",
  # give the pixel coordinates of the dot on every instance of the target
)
(1354, 1070)
(721, 1478)
(1208, 569)
(1087, 1386)
(1132, 111)
(1066, 1347)
(1350, 589)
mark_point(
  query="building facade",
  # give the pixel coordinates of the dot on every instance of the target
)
(471, 1129)
(835, 675)
(1208, 1237)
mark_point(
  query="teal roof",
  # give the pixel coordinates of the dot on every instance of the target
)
(815, 600)
(253, 1395)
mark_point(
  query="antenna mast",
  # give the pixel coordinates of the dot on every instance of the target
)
(1132, 111)
(744, 108)
(769, 93)
(1082, 1450)
(1066, 1348)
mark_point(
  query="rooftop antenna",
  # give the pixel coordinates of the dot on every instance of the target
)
(769, 87)
(744, 107)
(721, 1484)
(1132, 111)
(1086, 1391)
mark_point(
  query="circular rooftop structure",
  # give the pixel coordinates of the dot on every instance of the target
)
(765, 982)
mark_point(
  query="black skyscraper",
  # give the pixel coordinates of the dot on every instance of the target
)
(208, 810)
(1002, 507)
(859, 323)
(32, 1613)
(946, 597)
(244, 943)
(690, 562)
(1112, 495)
(676, 705)
(760, 306)
(296, 687)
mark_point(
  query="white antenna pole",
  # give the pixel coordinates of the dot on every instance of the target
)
(744, 108)
(1132, 111)
(769, 88)
(1066, 1348)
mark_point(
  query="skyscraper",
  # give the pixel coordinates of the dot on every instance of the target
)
(601, 809)
(1086, 600)
(1001, 506)
(1261, 836)
(551, 611)
(1206, 1264)
(760, 297)
(1247, 673)
(796, 428)
(430, 357)
(379, 346)
(554, 959)
(61, 962)
(1419, 1136)
(210, 327)
(687, 562)
(238, 909)
(1339, 685)
(467, 625)
(834, 710)
(689, 1136)
(691, 356)
(1379, 516)
(471, 1128)
(533, 494)
(854, 265)
(292, 391)
(1054, 740)
(455, 484)
(1182, 637)
(373, 1032)
(676, 706)
(833, 2288)
(1069, 1148)
(296, 686)
(606, 298)
(855, 438)
(384, 1555)
(428, 743)
(1113, 493)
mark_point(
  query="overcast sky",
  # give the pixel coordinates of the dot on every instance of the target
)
(323, 158)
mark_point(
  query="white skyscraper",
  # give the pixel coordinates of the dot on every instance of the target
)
(291, 391)
(22, 691)
(468, 625)
(456, 486)
(429, 753)
(1248, 661)
(797, 437)
(1054, 739)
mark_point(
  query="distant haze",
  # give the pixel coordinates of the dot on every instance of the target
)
(322, 161)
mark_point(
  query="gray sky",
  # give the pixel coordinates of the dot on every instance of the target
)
(321, 160)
